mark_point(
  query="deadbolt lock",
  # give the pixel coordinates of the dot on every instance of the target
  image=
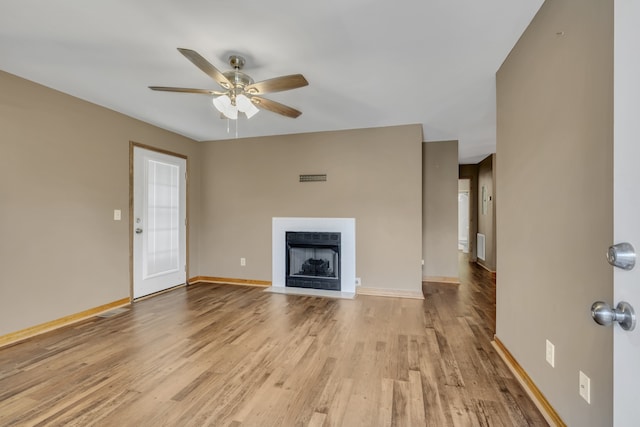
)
(622, 255)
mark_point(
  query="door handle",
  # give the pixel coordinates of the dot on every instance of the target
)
(604, 315)
(138, 230)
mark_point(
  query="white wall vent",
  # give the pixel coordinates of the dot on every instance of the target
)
(480, 246)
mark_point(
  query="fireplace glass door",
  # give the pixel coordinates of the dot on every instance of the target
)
(313, 260)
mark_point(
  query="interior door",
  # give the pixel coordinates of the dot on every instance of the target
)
(159, 221)
(626, 353)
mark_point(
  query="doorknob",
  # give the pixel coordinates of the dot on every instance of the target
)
(604, 315)
(138, 230)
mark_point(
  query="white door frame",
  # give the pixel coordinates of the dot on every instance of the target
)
(132, 145)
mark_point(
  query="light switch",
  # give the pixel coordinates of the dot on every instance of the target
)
(117, 214)
(551, 354)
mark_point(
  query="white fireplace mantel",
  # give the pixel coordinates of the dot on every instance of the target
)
(347, 229)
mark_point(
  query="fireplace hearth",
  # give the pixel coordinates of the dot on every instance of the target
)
(313, 260)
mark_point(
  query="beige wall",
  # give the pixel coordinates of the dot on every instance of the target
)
(554, 211)
(487, 215)
(373, 175)
(440, 210)
(64, 168)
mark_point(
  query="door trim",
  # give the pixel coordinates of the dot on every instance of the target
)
(133, 144)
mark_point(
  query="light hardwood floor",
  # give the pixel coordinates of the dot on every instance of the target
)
(226, 355)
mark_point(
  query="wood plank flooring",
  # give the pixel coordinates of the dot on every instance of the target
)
(225, 355)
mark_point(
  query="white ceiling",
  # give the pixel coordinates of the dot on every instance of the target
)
(369, 63)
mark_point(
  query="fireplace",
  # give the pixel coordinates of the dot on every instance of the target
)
(313, 260)
(344, 264)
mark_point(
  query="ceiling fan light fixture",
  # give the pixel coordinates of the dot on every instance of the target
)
(246, 106)
(224, 105)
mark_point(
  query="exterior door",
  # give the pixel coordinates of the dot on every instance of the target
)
(626, 353)
(159, 221)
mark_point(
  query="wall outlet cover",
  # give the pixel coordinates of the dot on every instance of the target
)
(585, 387)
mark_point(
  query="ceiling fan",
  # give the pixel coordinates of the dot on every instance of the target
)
(240, 92)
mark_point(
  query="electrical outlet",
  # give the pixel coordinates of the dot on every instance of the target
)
(551, 354)
(117, 214)
(585, 387)
(358, 282)
(243, 262)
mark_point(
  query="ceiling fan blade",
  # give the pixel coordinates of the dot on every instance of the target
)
(185, 90)
(278, 84)
(206, 66)
(275, 107)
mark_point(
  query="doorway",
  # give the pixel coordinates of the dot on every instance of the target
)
(464, 187)
(158, 215)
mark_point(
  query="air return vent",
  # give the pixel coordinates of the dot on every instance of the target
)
(313, 178)
(113, 312)
(480, 249)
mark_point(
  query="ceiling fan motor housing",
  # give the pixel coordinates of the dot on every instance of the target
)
(239, 81)
(238, 78)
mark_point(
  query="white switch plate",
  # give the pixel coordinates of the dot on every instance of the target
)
(551, 354)
(585, 387)
(117, 214)
(243, 261)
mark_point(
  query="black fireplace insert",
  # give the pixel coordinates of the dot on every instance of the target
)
(313, 260)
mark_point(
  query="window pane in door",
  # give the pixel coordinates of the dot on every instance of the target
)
(163, 218)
